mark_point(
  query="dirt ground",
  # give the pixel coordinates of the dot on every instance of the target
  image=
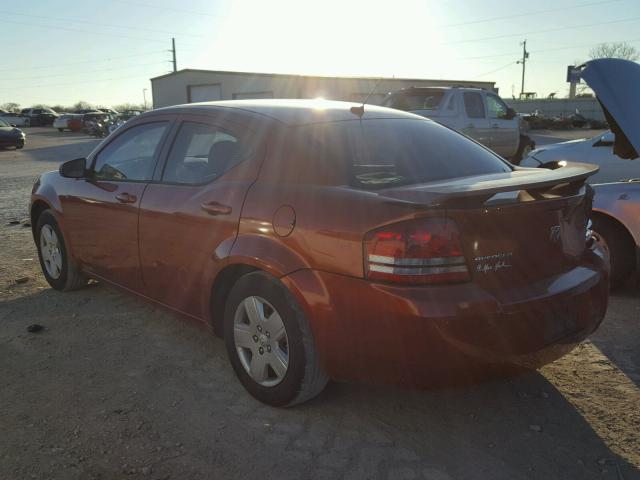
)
(117, 388)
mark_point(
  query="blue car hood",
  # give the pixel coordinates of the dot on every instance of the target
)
(616, 83)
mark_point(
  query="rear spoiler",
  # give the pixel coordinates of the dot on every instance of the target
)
(531, 180)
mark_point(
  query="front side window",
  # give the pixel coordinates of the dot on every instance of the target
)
(201, 153)
(496, 107)
(474, 105)
(131, 155)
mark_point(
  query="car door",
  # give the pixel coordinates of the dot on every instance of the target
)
(101, 218)
(189, 218)
(505, 132)
(475, 122)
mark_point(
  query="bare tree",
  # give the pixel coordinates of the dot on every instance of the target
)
(615, 50)
(82, 105)
(10, 107)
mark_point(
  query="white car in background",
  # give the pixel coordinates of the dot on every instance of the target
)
(68, 121)
(16, 119)
(596, 150)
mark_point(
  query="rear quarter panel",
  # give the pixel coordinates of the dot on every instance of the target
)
(621, 201)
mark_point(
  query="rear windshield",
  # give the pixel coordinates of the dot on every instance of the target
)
(419, 100)
(380, 153)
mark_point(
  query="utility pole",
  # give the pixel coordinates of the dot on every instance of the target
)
(525, 55)
(144, 96)
(173, 50)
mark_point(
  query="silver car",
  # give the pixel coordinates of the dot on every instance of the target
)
(616, 208)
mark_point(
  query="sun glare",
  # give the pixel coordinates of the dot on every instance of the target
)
(336, 38)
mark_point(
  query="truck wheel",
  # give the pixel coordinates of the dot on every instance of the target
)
(615, 240)
(525, 147)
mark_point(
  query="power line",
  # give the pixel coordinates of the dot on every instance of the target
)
(526, 14)
(108, 59)
(496, 70)
(110, 25)
(2, 79)
(94, 81)
(171, 9)
(92, 32)
(543, 50)
(547, 30)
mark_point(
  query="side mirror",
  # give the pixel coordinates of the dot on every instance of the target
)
(74, 168)
(511, 113)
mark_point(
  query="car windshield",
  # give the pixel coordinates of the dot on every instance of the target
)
(3, 123)
(380, 153)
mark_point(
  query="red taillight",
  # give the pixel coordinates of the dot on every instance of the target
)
(416, 252)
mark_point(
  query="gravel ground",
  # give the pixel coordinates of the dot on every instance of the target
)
(115, 387)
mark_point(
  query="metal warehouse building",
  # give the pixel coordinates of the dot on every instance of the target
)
(188, 86)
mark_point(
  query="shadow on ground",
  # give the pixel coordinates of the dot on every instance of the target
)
(116, 386)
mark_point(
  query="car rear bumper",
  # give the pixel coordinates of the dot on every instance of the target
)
(422, 335)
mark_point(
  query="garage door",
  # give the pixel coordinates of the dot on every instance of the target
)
(204, 93)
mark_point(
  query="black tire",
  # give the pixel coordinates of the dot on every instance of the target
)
(615, 239)
(19, 146)
(304, 378)
(70, 277)
(525, 146)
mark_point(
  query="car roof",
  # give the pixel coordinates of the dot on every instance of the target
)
(443, 89)
(295, 112)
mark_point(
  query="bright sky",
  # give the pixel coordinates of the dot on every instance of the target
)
(104, 52)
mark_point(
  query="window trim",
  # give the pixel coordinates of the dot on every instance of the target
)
(93, 157)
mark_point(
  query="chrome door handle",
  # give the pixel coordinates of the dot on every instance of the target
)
(126, 198)
(215, 208)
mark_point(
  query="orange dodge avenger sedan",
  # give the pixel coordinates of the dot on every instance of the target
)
(329, 240)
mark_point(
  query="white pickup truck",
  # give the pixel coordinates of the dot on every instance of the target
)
(479, 114)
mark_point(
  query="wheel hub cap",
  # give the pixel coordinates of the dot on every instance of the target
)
(261, 341)
(50, 251)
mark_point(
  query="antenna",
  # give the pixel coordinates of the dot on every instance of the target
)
(359, 111)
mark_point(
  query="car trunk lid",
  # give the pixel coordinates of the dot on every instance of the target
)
(516, 228)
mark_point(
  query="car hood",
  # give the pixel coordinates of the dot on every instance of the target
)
(615, 83)
(9, 131)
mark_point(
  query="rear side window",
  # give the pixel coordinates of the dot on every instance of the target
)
(131, 155)
(201, 153)
(419, 100)
(380, 153)
(474, 105)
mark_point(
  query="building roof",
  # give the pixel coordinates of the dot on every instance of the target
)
(298, 112)
(325, 77)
